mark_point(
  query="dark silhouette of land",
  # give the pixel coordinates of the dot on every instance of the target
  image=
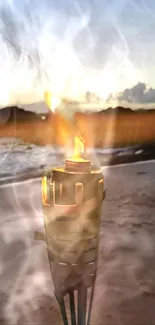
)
(123, 110)
(19, 114)
(16, 114)
(111, 128)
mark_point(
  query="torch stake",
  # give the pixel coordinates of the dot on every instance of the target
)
(91, 301)
(82, 304)
(72, 199)
(63, 309)
(72, 308)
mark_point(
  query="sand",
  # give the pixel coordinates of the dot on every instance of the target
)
(125, 286)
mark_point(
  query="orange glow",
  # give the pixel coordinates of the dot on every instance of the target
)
(62, 126)
(51, 102)
(78, 148)
(44, 189)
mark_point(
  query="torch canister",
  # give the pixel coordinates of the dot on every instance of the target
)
(72, 199)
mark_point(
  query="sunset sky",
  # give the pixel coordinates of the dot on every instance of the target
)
(69, 47)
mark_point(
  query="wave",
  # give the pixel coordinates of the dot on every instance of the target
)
(18, 158)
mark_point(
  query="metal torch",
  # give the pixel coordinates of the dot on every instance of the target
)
(72, 198)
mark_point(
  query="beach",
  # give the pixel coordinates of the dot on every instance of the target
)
(125, 285)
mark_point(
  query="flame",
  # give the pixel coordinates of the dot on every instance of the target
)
(51, 102)
(44, 190)
(78, 148)
(62, 126)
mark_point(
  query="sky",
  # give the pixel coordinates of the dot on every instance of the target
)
(70, 47)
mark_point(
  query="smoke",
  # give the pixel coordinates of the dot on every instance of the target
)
(36, 51)
(67, 49)
(46, 45)
(126, 260)
(71, 48)
(126, 266)
(24, 269)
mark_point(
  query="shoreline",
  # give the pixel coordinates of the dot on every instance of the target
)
(113, 162)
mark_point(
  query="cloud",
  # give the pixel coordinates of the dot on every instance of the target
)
(139, 95)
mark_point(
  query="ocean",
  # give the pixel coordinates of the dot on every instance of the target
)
(19, 158)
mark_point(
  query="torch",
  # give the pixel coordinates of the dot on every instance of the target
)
(72, 198)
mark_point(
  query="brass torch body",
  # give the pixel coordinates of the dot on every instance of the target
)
(72, 203)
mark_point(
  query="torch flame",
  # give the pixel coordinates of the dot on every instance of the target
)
(78, 148)
(62, 126)
(51, 102)
(44, 190)
(65, 126)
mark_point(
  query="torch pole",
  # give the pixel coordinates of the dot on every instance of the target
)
(72, 308)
